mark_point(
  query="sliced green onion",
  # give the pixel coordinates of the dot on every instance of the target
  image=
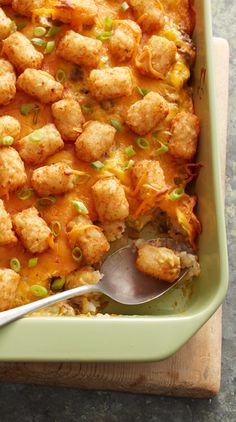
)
(55, 228)
(36, 114)
(45, 202)
(130, 151)
(128, 165)
(13, 26)
(36, 136)
(38, 41)
(97, 165)
(142, 143)
(21, 24)
(38, 290)
(163, 131)
(163, 148)
(117, 125)
(142, 91)
(58, 283)
(32, 262)
(39, 31)
(124, 6)
(77, 254)
(49, 47)
(7, 140)
(15, 265)
(60, 75)
(25, 194)
(86, 108)
(53, 31)
(108, 22)
(82, 178)
(176, 194)
(80, 207)
(26, 109)
(104, 36)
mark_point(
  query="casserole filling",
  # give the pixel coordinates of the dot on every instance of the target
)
(98, 138)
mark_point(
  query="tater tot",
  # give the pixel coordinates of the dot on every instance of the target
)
(110, 200)
(6, 26)
(26, 7)
(79, 49)
(12, 170)
(163, 56)
(7, 82)
(148, 14)
(151, 173)
(53, 179)
(144, 115)
(110, 83)
(68, 118)
(9, 126)
(85, 275)
(158, 262)
(40, 144)
(89, 238)
(9, 281)
(32, 230)
(95, 140)
(185, 128)
(123, 40)
(76, 11)
(40, 85)
(21, 52)
(7, 235)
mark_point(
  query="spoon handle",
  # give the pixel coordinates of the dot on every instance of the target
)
(20, 311)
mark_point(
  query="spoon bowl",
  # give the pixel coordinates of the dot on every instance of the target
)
(121, 282)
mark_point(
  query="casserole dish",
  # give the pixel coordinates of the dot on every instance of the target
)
(158, 329)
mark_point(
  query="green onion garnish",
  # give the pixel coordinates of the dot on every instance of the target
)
(142, 91)
(60, 75)
(13, 26)
(58, 283)
(49, 47)
(53, 31)
(7, 140)
(38, 290)
(36, 136)
(55, 228)
(20, 24)
(38, 41)
(39, 31)
(26, 109)
(104, 36)
(130, 151)
(117, 125)
(108, 22)
(142, 143)
(163, 148)
(97, 165)
(25, 194)
(82, 178)
(86, 109)
(124, 6)
(46, 202)
(32, 262)
(176, 194)
(128, 165)
(15, 265)
(80, 207)
(77, 254)
(36, 111)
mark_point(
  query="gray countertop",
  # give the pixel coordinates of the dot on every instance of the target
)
(43, 404)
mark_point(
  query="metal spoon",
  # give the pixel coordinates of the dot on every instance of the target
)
(121, 282)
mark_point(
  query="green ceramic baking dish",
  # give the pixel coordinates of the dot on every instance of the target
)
(154, 331)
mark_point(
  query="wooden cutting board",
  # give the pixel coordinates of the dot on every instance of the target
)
(194, 371)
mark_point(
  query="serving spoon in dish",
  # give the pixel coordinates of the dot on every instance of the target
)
(121, 282)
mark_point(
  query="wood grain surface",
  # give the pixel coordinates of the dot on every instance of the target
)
(194, 371)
